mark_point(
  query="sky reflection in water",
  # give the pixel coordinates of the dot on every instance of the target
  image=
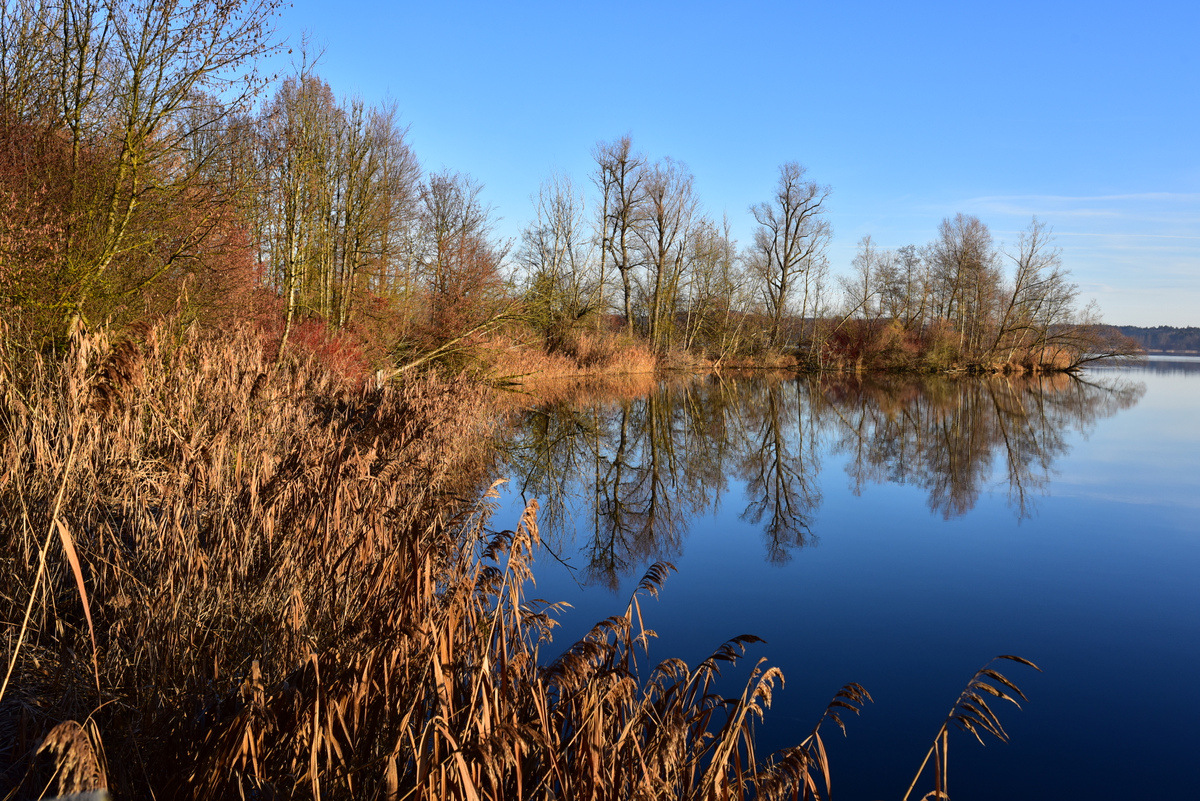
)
(899, 533)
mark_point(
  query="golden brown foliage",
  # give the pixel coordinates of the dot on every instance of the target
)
(291, 597)
(223, 513)
(594, 358)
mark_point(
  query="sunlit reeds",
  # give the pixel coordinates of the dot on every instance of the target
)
(972, 712)
(293, 596)
(247, 579)
(521, 359)
(228, 519)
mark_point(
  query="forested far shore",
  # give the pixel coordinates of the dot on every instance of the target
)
(1164, 338)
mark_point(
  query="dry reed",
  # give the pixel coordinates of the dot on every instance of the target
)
(972, 713)
(522, 361)
(270, 584)
(292, 594)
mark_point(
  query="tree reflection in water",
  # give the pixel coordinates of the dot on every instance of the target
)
(630, 474)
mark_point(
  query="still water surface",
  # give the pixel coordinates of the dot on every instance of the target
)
(899, 533)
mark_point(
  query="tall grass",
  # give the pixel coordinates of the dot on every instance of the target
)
(292, 593)
(972, 712)
(231, 522)
(523, 356)
(225, 577)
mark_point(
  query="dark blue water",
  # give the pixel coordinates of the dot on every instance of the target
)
(899, 534)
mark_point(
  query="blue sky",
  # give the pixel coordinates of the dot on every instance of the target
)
(1086, 115)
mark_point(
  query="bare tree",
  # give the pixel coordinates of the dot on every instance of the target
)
(335, 205)
(717, 298)
(1040, 295)
(393, 247)
(863, 287)
(664, 241)
(135, 81)
(376, 188)
(29, 32)
(557, 258)
(298, 133)
(1039, 320)
(130, 73)
(619, 177)
(912, 288)
(462, 262)
(965, 278)
(815, 305)
(792, 233)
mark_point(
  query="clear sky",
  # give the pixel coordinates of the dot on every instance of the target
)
(1085, 114)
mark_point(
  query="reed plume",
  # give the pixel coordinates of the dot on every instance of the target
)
(971, 713)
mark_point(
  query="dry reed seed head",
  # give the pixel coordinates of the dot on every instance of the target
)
(117, 374)
(75, 765)
(654, 578)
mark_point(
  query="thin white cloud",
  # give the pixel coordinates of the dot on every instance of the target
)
(1029, 211)
(1113, 235)
(1143, 218)
(1175, 197)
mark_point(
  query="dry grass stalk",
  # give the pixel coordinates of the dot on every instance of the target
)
(971, 713)
(76, 759)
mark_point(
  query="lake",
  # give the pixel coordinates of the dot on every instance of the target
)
(899, 533)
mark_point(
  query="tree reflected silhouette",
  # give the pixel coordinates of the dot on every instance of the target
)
(622, 481)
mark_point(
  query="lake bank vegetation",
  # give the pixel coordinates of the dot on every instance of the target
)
(229, 577)
(223, 579)
(136, 182)
(244, 431)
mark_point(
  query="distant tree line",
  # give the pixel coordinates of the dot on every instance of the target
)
(673, 274)
(1164, 338)
(962, 301)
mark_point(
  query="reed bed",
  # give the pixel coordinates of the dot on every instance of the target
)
(598, 358)
(226, 577)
